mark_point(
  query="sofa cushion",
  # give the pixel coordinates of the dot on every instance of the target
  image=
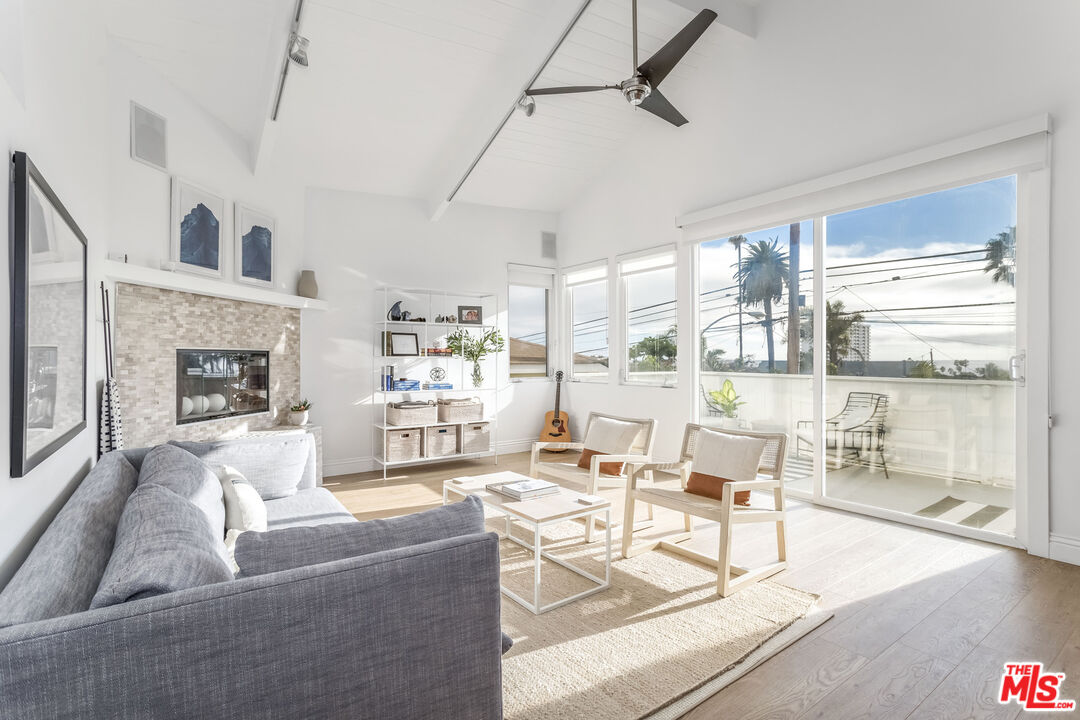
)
(314, 506)
(276, 466)
(244, 509)
(164, 543)
(65, 567)
(190, 478)
(720, 458)
(261, 553)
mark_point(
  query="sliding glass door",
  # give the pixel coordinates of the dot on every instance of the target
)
(901, 322)
(920, 336)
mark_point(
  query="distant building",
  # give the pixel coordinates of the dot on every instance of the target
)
(858, 344)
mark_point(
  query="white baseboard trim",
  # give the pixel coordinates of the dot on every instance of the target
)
(348, 466)
(1065, 548)
(506, 447)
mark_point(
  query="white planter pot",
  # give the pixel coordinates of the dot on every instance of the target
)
(730, 423)
(298, 418)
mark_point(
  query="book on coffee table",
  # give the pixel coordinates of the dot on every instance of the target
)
(523, 489)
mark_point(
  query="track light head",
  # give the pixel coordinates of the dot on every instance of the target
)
(527, 105)
(298, 48)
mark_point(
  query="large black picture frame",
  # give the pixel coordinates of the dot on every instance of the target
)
(24, 458)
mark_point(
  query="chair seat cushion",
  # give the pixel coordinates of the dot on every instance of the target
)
(262, 553)
(314, 506)
(720, 458)
(164, 543)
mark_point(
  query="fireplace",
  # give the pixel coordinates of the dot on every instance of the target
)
(214, 384)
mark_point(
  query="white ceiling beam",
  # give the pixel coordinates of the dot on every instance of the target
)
(448, 186)
(738, 16)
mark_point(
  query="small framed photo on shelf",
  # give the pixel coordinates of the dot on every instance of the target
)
(254, 246)
(402, 344)
(470, 314)
(197, 217)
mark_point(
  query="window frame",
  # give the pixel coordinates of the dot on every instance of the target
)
(662, 257)
(534, 276)
(596, 272)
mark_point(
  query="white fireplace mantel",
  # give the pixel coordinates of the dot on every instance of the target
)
(152, 277)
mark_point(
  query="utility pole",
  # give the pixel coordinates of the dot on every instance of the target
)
(738, 241)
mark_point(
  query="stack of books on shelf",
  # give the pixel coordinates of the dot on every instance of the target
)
(438, 352)
(524, 489)
(438, 386)
(406, 385)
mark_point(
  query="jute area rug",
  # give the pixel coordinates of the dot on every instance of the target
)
(657, 643)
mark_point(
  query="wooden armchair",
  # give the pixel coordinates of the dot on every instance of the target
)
(568, 473)
(730, 578)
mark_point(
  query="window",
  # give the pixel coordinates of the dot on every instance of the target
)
(587, 291)
(528, 298)
(650, 289)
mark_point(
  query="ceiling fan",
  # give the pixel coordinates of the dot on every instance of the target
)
(642, 88)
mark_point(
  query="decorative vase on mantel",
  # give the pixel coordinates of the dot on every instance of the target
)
(299, 417)
(307, 287)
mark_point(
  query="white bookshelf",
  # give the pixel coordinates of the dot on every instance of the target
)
(429, 304)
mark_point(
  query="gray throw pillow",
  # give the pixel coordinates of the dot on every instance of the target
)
(262, 553)
(163, 544)
(275, 466)
(190, 478)
(65, 567)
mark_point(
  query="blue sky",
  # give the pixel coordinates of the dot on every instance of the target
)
(958, 220)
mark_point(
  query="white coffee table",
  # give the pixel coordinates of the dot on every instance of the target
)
(537, 514)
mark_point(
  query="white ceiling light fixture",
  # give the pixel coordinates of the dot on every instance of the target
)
(298, 47)
(296, 51)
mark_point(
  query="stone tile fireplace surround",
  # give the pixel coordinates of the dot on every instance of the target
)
(152, 323)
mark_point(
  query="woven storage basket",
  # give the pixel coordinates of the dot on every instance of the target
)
(411, 416)
(464, 410)
(403, 445)
(442, 440)
(475, 437)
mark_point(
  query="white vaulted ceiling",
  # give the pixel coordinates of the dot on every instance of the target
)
(400, 95)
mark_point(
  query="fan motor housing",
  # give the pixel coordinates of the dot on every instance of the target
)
(635, 90)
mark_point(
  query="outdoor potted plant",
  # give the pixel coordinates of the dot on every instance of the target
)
(729, 403)
(298, 413)
(475, 348)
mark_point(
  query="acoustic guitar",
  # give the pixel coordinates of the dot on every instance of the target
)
(557, 422)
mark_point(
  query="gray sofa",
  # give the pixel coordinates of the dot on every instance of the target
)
(411, 632)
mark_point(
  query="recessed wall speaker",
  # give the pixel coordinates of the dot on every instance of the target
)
(148, 138)
(548, 246)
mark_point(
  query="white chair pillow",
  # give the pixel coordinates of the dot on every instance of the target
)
(720, 458)
(244, 508)
(608, 436)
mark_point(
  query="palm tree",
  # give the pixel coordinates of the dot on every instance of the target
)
(794, 231)
(737, 241)
(762, 274)
(838, 324)
(1001, 256)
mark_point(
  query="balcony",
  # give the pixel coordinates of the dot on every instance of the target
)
(949, 445)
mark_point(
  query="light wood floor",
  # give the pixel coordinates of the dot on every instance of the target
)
(923, 621)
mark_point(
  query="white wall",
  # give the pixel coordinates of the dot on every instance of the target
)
(202, 151)
(356, 242)
(835, 84)
(59, 123)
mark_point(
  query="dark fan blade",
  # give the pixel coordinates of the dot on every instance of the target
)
(659, 106)
(656, 68)
(571, 89)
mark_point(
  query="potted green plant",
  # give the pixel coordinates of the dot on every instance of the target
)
(298, 413)
(475, 348)
(729, 403)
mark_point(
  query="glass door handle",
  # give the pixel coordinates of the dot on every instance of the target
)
(1016, 367)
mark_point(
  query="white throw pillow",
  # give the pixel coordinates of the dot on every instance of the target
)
(244, 509)
(732, 457)
(230, 548)
(611, 437)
